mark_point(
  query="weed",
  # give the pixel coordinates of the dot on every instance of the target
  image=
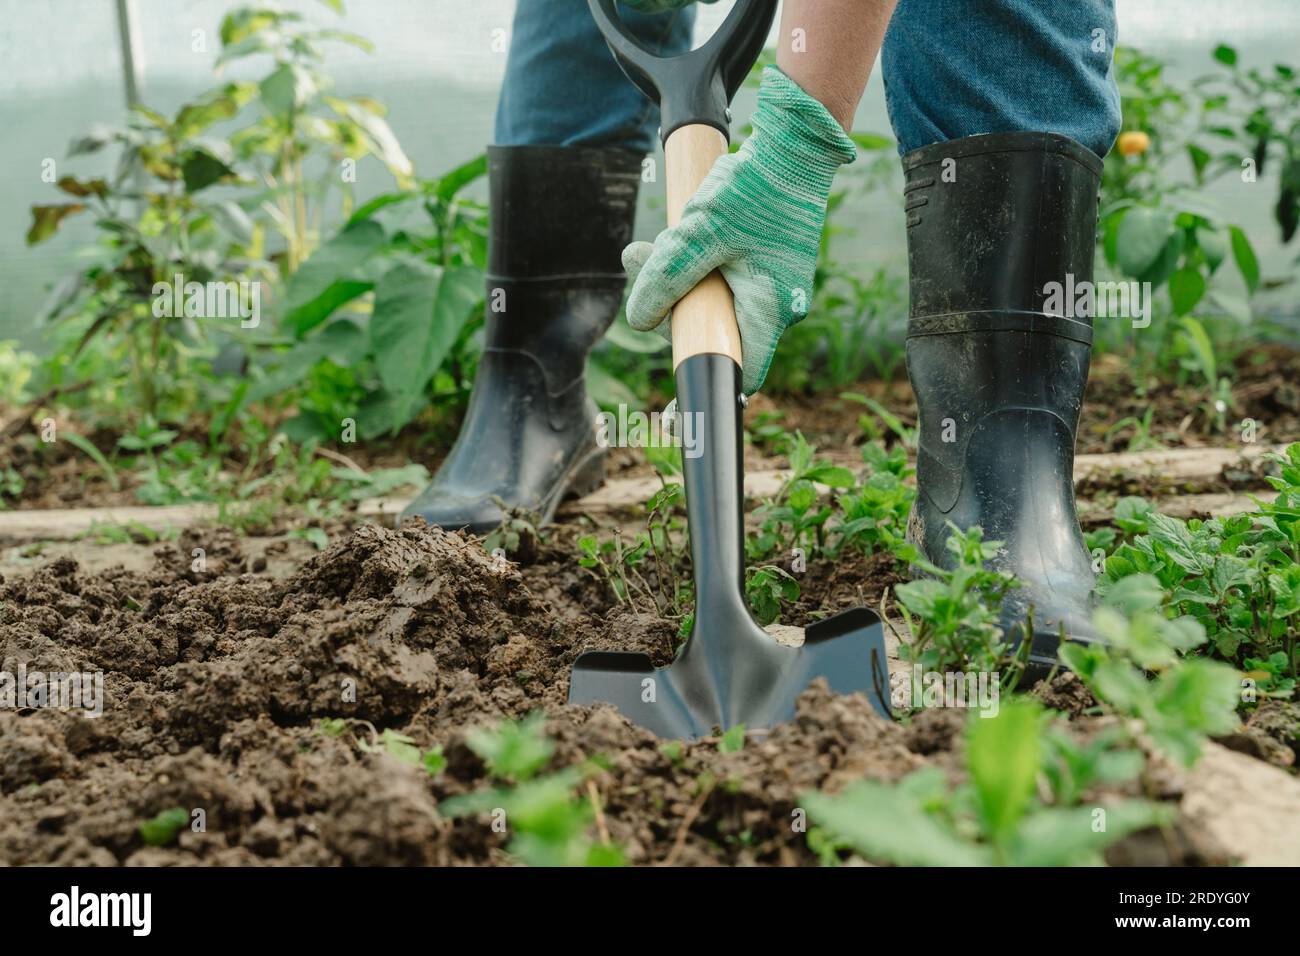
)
(1189, 698)
(952, 614)
(766, 588)
(998, 818)
(548, 821)
(163, 829)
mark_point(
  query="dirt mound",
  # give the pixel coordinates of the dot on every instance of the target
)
(215, 680)
(220, 686)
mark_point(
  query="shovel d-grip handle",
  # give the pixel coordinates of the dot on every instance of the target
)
(693, 90)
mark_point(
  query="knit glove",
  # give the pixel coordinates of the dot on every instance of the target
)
(758, 217)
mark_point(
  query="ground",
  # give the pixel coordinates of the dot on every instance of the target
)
(254, 683)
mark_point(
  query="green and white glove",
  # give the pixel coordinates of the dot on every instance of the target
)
(758, 216)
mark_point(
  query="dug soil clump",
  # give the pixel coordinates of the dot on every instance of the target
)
(261, 710)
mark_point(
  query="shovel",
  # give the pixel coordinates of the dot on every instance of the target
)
(729, 671)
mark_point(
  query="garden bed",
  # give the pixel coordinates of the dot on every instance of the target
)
(226, 693)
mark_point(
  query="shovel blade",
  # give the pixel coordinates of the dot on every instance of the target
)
(697, 694)
(639, 690)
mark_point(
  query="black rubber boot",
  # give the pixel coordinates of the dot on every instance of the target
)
(992, 220)
(560, 217)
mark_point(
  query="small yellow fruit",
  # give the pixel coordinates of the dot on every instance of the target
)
(1133, 143)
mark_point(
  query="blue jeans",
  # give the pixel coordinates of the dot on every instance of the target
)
(950, 70)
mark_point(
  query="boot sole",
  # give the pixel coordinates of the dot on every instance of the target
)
(586, 475)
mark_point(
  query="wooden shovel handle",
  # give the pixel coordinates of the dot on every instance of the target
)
(704, 320)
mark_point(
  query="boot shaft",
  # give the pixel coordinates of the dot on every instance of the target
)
(560, 211)
(560, 217)
(993, 220)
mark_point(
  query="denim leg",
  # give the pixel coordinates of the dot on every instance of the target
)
(1001, 66)
(562, 86)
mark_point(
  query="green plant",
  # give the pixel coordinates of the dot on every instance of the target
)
(1238, 577)
(184, 250)
(547, 820)
(766, 588)
(298, 121)
(952, 615)
(791, 519)
(872, 516)
(16, 368)
(1268, 134)
(1189, 699)
(1160, 229)
(390, 742)
(998, 818)
(163, 829)
(386, 355)
(518, 535)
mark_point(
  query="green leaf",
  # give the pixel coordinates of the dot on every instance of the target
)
(221, 104)
(1076, 836)
(316, 536)
(231, 218)
(733, 741)
(288, 89)
(608, 390)
(623, 336)
(891, 824)
(95, 455)
(434, 762)
(871, 141)
(1186, 287)
(419, 312)
(201, 169)
(1141, 238)
(378, 136)
(75, 187)
(1244, 255)
(1213, 246)
(332, 276)
(1004, 754)
(163, 829)
(833, 476)
(452, 182)
(47, 219)
(513, 750)
(1225, 54)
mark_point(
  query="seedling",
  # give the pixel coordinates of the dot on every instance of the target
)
(1189, 699)
(952, 615)
(766, 588)
(548, 822)
(999, 817)
(163, 829)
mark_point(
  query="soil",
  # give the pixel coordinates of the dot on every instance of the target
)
(217, 675)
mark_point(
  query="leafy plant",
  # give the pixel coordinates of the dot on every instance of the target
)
(547, 820)
(792, 518)
(425, 281)
(1236, 576)
(952, 614)
(1189, 699)
(872, 516)
(766, 588)
(1267, 136)
(163, 829)
(998, 818)
(184, 203)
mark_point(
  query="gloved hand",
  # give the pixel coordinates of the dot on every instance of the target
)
(758, 217)
(659, 6)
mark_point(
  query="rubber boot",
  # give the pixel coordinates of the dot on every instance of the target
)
(992, 222)
(560, 217)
